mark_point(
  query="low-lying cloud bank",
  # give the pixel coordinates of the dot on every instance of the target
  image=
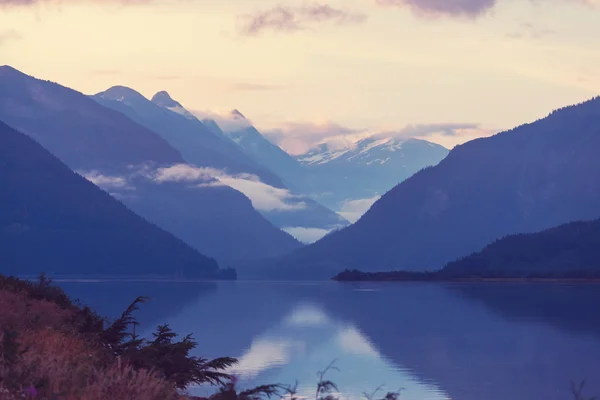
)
(300, 138)
(352, 210)
(107, 182)
(307, 235)
(263, 197)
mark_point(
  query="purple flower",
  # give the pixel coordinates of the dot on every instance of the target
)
(31, 392)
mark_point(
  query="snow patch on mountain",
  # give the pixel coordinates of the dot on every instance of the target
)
(367, 151)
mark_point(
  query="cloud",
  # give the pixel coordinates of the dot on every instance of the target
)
(435, 8)
(352, 210)
(8, 35)
(299, 137)
(307, 235)
(424, 130)
(291, 19)
(263, 197)
(185, 173)
(457, 8)
(106, 182)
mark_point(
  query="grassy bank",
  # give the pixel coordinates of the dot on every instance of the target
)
(54, 348)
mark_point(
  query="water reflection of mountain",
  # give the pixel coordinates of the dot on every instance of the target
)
(571, 308)
(226, 320)
(468, 342)
(306, 340)
(111, 298)
(471, 353)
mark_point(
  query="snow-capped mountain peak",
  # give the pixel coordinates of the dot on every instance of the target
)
(376, 149)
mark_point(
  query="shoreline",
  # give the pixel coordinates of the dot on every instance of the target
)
(438, 277)
(478, 280)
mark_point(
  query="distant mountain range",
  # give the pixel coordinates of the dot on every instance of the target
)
(525, 180)
(140, 168)
(240, 130)
(197, 144)
(208, 148)
(332, 175)
(367, 168)
(53, 220)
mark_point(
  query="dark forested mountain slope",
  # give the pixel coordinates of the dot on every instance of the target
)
(571, 250)
(524, 180)
(53, 220)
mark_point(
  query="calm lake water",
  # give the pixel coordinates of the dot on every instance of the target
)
(455, 341)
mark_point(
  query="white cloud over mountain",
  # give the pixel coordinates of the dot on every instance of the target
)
(263, 197)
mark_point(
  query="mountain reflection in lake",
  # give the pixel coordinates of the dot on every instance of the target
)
(462, 342)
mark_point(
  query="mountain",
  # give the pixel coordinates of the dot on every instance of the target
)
(570, 250)
(331, 175)
(139, 168)
(189, 135)
(367, 168)
(54, 220)
(240, 130)
(525, 180)
(195, 142)
(74, 128)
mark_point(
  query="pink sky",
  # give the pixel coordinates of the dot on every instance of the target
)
(354, 64)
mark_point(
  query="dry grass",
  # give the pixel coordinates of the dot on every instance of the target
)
(19, 312)
(121, 381)
(59, 363)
